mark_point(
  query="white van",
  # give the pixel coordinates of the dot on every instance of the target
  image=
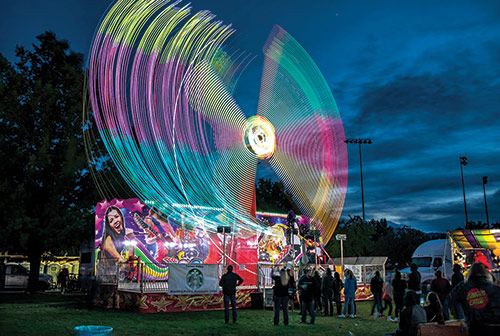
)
(429, 257)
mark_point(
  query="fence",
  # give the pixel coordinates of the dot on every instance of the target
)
(138, 276)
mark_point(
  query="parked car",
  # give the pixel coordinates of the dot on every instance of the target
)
(16, 276)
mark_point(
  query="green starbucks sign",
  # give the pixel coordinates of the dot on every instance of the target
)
(194, 279)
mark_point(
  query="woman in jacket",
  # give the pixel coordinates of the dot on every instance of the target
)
(350, 287)
(280, 291)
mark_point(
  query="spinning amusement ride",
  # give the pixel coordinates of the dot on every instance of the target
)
(161, 83)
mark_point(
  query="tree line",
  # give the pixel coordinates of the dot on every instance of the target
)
(377, 238)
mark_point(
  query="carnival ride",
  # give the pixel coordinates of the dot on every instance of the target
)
(161, 81)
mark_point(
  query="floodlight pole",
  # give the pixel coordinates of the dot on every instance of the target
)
(361, 172)
(463, 162)
(341, 237)
(485, 180)
(342, 257)
(359, 142)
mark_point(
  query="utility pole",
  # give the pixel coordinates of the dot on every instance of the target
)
(463, 162)
(485, 180)
(359, 142)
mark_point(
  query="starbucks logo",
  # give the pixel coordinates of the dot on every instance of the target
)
(194, 279)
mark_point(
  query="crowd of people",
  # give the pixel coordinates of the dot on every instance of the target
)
(475, 299)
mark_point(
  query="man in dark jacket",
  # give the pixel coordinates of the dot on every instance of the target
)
(398, 290)
(306, 292)
(228, 282)
(377, 285)
(415, 279)
(327, 285)
(442, 288)
(456, 279)
(317, 291)
(338, 285)
(481, 299)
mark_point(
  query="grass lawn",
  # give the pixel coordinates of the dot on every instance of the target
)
(56, 314)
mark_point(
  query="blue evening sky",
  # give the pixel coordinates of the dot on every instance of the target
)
(419, 78)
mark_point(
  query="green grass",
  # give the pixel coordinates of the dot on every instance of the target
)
(56, 314)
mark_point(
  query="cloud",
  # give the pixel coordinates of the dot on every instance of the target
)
(421, 117)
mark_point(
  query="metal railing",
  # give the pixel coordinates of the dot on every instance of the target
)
(139, 276)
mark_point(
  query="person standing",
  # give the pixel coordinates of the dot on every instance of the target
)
(398, 291)
(327, 285)
(350, 288)
(337, 289)
(481, 300)
(387, 297)
(62, 279)
(292, 288)
(415, 279)
(456, 279)
(377, 285)
(280, 294)
(228, 282)
(317, 291)
(442, 288)
(306, 292)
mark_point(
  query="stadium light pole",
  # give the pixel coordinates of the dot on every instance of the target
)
(485, 180)
(463, 162)
(359, 142)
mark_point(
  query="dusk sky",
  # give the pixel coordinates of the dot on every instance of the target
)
(418, 78)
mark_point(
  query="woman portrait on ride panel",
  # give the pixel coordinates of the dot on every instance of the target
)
(113, 236)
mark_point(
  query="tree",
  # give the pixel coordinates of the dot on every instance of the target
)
(48, 193)
(358, 241)
(272, 197)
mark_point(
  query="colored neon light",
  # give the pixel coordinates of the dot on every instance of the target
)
(160, 83)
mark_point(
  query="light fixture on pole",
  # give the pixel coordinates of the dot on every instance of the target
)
(463, 162)
(341, 237)
(485, 180)
(359, 142)
(224, 230)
